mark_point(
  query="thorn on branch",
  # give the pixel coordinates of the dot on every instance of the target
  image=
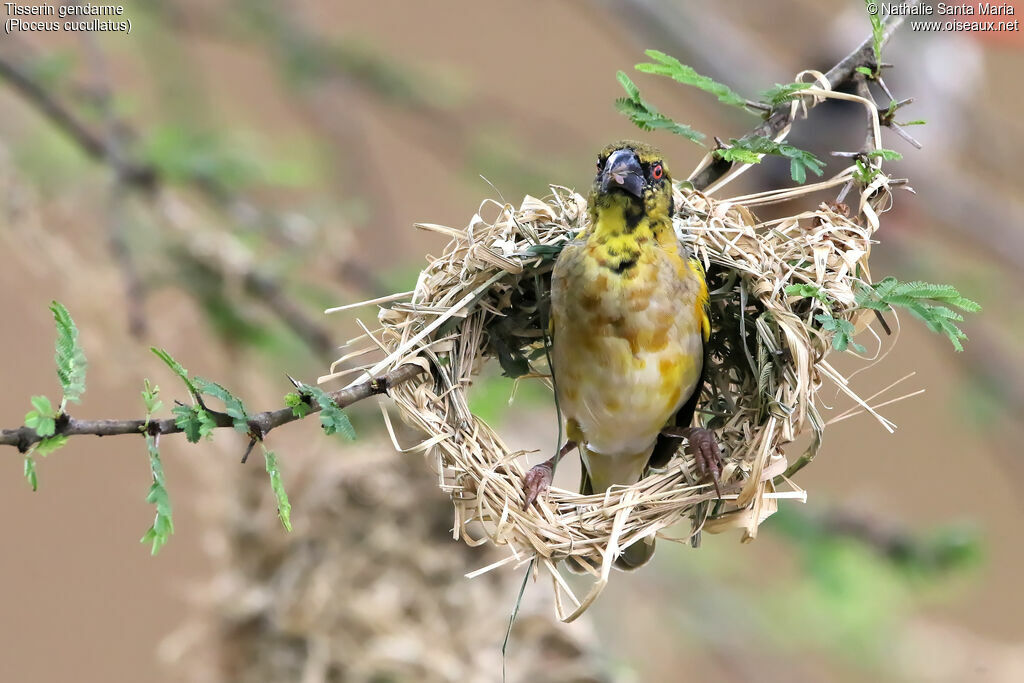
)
(883, 323)
(248, 450)
(896, 128)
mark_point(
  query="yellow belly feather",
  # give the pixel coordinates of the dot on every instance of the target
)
(627, 351)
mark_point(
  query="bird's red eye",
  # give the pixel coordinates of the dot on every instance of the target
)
(657, 172)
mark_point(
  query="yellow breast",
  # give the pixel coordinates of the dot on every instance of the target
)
(628, 343)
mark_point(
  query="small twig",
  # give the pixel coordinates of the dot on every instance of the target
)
(135, 291)
(860, 87)
(896, 128)
(25, 437)
(782, 115)
(144, 177)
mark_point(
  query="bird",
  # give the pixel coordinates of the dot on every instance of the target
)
(629, 326)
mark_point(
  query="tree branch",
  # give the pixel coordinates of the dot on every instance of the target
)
(783, 115)
(147, 178)
(260, 424)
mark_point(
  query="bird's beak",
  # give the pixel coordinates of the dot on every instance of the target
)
(623, 170)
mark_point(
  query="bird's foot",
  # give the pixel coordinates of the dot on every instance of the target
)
(538, 478)
(706, 454)
(703, 446)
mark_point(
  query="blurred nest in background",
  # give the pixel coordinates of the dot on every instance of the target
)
(365, 588)
(780, 292)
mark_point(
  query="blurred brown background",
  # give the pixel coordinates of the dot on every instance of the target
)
(296, 144)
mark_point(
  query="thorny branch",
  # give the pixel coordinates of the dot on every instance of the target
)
(260, 424)
(782, 115)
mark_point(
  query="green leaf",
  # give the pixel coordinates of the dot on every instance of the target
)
(42, 418)
(30, 472)
(50, 444)
(864, 173)
(842, 332)
(917, 122)
(748, 150)
(809, 291)
(782, 93)
(864, 70)
(646, 117)
(332, 417)
(70, 357)
(176, 368)
(671, 67)
(150, 397)
(549, 252)
(300, 408)
(877, 31)
(233, 405)
(43, 406)
(886, 154)
(195, 422)
(284, 508)
(163, 524)
(928, 302)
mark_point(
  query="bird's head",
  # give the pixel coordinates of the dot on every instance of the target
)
(632, 179)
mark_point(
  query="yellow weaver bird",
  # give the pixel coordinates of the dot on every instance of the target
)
(629, 323)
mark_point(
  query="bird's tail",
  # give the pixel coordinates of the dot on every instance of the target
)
(608, 471)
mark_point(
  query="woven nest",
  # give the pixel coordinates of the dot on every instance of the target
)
(485, 299)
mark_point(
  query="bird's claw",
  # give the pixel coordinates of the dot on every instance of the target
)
(703, 446)
(536, 481)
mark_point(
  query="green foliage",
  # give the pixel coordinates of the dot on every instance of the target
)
(808, 290)
(300, 407)
(925, 301)
(864, 70)
(646, 117)
(877, 33)
(548, 252)
(781, 93)
(842, 332)
(885, 154)
(233, 405)
(163, 524)
(864, 173)
(43, 417)
(50, 444)
(284, 508)
(30, 472)
(672, 68)
(949, 548)
(917, 122)
(176, 368)
(748, 150)
(194, 421)
(332, 417)
(70, 357)
(182, 155)
(52, 68)
(151, 398)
